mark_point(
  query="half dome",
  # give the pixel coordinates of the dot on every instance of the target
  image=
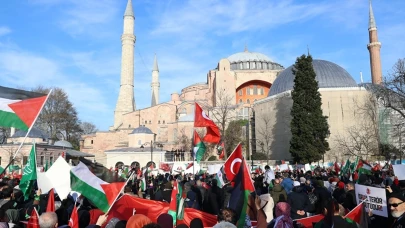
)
(63, 143)
(328, 75)
(142, 130)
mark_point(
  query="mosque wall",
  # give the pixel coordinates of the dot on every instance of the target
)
(128, 157)
(243, 76)
(340, 105)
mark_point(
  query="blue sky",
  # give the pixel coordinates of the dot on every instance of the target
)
(75, 44)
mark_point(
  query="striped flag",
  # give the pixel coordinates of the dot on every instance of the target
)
(19, 108)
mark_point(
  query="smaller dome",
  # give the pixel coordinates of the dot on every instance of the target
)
(142, 130)
(63, 143)
(34, 133)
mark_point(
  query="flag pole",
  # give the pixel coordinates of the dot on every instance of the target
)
(115, 200)
(26, 135)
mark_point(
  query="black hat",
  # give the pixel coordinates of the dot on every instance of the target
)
(398, 195)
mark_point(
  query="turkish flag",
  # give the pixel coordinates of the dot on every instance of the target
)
(202, 120)
(74, 218)
(233, 163)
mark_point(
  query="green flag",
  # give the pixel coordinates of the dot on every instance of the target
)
(345, 168)
(46, 166)
(29, 175)
(1, 169)
(13, 168)
(353, 166)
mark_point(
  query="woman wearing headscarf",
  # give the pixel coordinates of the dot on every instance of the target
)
(138, 221)
(283, 216)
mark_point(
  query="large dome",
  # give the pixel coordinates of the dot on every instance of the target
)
(63, 143)
(328, 75)
(248, 56)
(247, 60)
(34, 133)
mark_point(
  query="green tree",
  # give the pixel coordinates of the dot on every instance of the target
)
(234, 135)
(309, 127)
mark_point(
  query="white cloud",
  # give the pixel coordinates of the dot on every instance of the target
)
(4, 30)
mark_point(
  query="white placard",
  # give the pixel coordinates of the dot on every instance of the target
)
(374, 199)
(307, 167)
(213, 169)
(399, 171)
(283, 167)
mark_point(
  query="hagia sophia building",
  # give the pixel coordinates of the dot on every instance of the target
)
(257, 86)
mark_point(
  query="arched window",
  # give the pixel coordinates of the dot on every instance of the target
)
(163, 122)
(159, 122)
(259, 65)
(240, 101)
(150, 122)
(139, 142)
(248, 101)
(241, 66)
(253, 65)
(247, 91)
(240, 92)
(264, 66)
(146, 121)
(255, 90)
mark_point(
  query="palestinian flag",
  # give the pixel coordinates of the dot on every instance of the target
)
(100, 193)
(176, 207)
(199, 147)
(221, 177)
(143, 180)
(358, 215)
(202, 120)
(239, 195)
(189, 165)
(364, 168)
(19, 108)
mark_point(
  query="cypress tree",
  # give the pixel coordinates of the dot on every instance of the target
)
(309, 127)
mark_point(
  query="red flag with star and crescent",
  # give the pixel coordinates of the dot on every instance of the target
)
(202, 120)
(74, 218)
(232, 164)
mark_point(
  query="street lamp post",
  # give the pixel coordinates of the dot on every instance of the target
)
(151, 151)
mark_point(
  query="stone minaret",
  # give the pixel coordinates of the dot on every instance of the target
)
(374, 48)
(155, 83)
(126, 99)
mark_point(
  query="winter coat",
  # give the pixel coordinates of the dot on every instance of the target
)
(350, 200)
(287, 184)
(278, 194)
(298, 200)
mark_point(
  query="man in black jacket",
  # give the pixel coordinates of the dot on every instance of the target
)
(350, 200)
(299, 202)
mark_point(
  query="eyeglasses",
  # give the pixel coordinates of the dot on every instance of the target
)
(395, 204)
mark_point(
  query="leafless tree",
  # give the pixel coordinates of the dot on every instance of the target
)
(359, 140)
(59, 116)
(184, 141)
(391, 93)
(264, 131)
(88, 128)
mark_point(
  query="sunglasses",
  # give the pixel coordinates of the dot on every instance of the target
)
(394, 204)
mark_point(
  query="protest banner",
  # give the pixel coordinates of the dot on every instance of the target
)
(374, 199)
(399, 171)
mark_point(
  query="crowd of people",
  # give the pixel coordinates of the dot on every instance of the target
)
(276, 202)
